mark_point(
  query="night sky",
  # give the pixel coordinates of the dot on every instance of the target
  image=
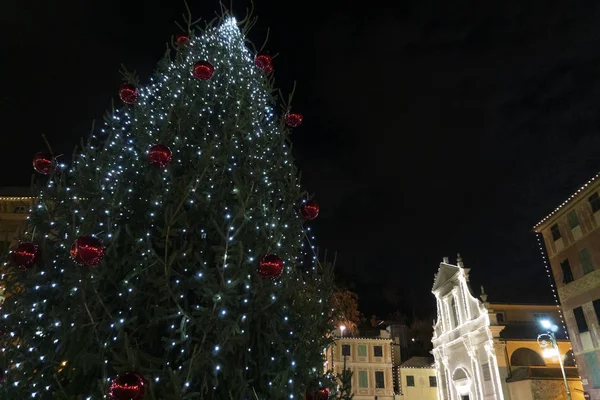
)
(431, 127)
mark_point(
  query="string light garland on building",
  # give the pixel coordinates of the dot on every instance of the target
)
(568, 200)
(540, 240)
(553, 288)
(175, 248)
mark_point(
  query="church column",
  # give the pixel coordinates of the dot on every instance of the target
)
(477, 379)
(439, 375)
(450, 390)
(494, 371)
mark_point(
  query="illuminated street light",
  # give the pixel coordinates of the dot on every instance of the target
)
(547, 342)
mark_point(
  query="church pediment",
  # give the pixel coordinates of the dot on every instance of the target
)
(446, 272)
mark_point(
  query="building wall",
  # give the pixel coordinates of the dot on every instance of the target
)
(422, 390)
(551, 360)
(544, 390)
(520, 390)
(525, 313)
(369, 364)
(13, 219)
(585, 287)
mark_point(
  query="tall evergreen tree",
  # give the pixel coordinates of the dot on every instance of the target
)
(167, 261)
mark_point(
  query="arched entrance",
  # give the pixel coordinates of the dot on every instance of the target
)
(462, 383)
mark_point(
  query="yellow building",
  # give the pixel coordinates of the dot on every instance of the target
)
(531, 372)
(370, 360)
(14, 207)
(571, 235)
(419, 381)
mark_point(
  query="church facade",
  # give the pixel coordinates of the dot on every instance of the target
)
(463, 345)
(489, 351)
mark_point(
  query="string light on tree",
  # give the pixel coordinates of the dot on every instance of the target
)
(179, 248)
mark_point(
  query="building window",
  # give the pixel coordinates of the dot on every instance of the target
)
(580, 319)
(573, 219)
(345, 349)
(453, 314)
(379, 380)
(594, 366)
(410, 380)
(378, 351)
(586, 261)
(566, 270)
(432, 381)
(487, 374)
(363, 379)
(555, 232)
(594, 202)
(540, 316)
(500, 317)
(596, 304)
(362, 350)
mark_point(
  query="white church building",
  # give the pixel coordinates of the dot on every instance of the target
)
(463, 345)
(489, 351)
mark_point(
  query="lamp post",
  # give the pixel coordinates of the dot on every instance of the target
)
(342, 329)
(546, 340)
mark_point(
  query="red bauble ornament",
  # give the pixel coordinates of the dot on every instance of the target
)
(44, 163)
(160, 155)
(264, 62)
(127, 386)
(309, 210)
(128, 93)
(87, 250)
(203, 70)
(320, 394)
(270, 266)
(25, 255)
(181, 40)
(293, 120)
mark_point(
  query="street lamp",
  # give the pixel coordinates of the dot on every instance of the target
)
(342, 329)
(547, 341)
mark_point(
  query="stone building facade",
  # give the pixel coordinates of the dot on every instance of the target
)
(370, 359)
(571, 234)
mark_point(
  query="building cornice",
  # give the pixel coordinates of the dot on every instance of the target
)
(550, 217)
(338, 338)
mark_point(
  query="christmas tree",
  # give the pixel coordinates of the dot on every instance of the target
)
(167, 262)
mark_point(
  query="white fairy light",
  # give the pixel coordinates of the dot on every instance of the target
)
(118, 168)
